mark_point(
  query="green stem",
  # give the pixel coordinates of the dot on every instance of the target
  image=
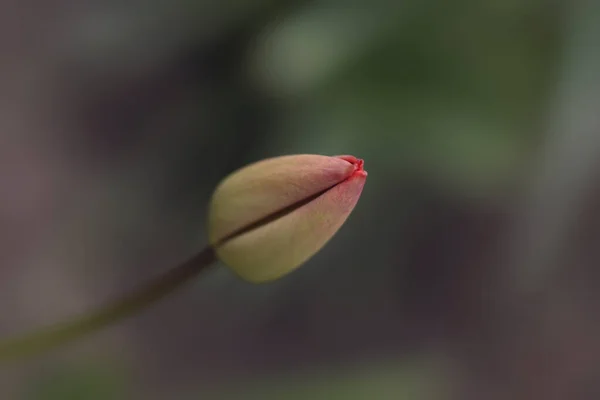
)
(55, 335)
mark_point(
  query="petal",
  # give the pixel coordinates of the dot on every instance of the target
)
(266, 187)
(275, 249)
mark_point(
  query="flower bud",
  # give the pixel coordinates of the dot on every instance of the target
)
(269, 217)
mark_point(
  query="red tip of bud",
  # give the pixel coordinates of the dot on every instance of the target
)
(359, 165)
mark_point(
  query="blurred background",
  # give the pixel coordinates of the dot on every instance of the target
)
(467, 271)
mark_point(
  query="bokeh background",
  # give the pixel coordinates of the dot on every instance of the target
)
(468, 269)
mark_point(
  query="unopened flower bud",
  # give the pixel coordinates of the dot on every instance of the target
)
(269, 217)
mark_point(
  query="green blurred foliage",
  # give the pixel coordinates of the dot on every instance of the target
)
(420, 379)
(83, 381)
(451, 90)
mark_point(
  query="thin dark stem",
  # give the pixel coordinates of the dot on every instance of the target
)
(48, 338)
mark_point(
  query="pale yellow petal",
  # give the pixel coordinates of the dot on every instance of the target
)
(267, 186)
(277, 248)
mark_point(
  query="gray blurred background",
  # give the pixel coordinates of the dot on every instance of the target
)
(467, 271)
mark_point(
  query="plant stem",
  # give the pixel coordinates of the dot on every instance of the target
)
(53, 336)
